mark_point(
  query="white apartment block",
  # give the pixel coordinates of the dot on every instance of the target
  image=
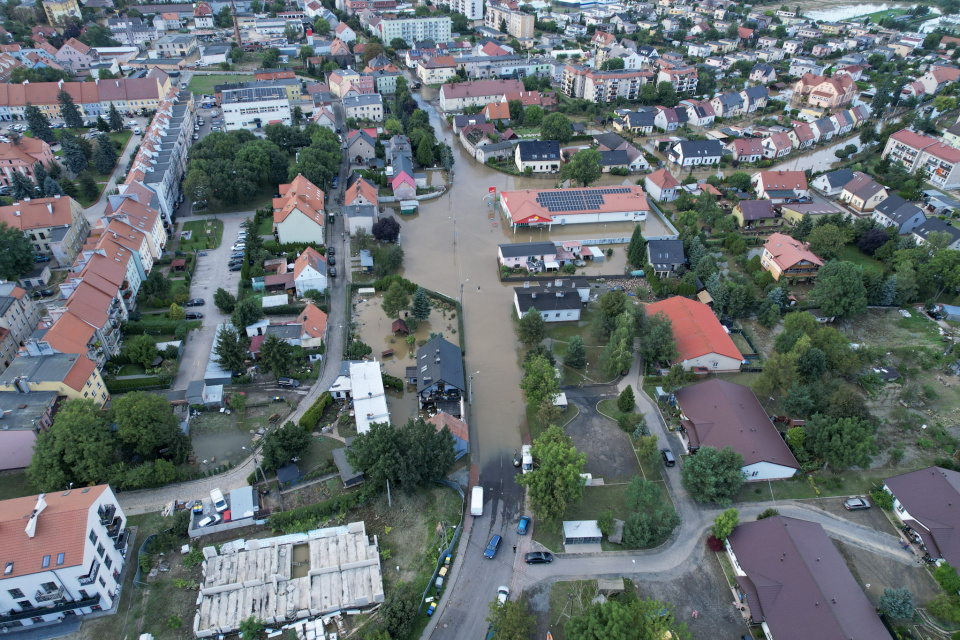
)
(473, 9)
(415, 29)
(62, 555)
(519, 24)
(255, 108)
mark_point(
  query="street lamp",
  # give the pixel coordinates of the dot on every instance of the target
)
(470, 387)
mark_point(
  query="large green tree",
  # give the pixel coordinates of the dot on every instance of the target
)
(554, 484)
(657, 344)
(556, 126)
(78, 448)
(531, 327)
(409, 456)
(284, 444)
(576, 357)
(827, 240)
(421, 304)
(73, 156)
(653, 518)
(231, 349)
(246, 313)
(276, 355)
(104, 155)
(141, 349)
(713, 475)
(539, 382)
(637, 249)
(584, 168)
(839, 289)
(146, 425)
(395, 300)
(626, 619)
(69, 111)
(38, 123)
(511, 620)
(225, 301)
(16, 254)
(843, 443)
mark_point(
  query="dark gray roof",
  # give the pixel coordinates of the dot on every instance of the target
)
(364, 99)
(525, 249)
(765, 68)
(929, 226)
(464, 120)
(730, 100)
(195, 392)
(700, 148)
(348, 474)
(610, 140)
(24, 410)
(52, 368)
(643, 118)
(756, 209)
(665, 252)
(539, 150)
(6, 302)
(836, 179)
(614, 158)
(542, 300)
(285, 331)
(360, 211)
(798, 584)
(825, 125)
(439, 361)
(756, 93)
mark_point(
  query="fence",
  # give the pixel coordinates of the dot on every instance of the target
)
(453, 541)
(143, 550)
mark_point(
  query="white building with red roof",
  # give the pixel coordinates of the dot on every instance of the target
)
(310, 272)
(786, 257)
(905, 147)
(780, 186)
(940, 162)
(662, 186)
(298, 212)
(938, 77)
(702, 342)
(546, 207)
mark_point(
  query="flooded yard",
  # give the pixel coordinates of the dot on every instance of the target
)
(219, 438)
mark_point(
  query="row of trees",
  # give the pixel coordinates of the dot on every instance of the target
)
(230, 168)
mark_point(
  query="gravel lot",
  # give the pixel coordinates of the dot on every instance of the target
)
(609, 451)
(870, 569)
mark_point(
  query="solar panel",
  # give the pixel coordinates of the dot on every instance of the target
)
(577, 199)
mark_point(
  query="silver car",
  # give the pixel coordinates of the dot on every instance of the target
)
(854, 504)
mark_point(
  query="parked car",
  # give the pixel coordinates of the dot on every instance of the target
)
(523, 526)
(209, 520)
(193, 315)
(195, 302)
(236, 267)
(331, 251)
(237, 254)
(196, 136)
(336, 181)
(42, 259)
(492, 548)
(331, 261)
(668, 457)
(333, 272)
(538, 557)
(854, 504)
(288, 382)
(503, 594)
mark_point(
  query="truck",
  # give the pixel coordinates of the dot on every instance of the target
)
(526, 458)
(476, 502)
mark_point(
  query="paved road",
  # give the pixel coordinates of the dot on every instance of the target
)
(95, 211)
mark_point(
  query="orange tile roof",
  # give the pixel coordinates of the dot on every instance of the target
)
(523, 205)
(783, 180)
(69, 334)
(362, 188)
(787, 251)
(38, 213)
(663, 179)
(309, 258)
(61, 528)
(300, 195)
(456, 426)
(695, 329)
(76, 45)
(314, 321)
(497, 111)
(80, 373)
(107, 269)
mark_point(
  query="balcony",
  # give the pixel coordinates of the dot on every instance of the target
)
(91, 577)
(106, 513)
(43, 596)
(13, 616)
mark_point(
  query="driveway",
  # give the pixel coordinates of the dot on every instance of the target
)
(211, 273)
(609, 451)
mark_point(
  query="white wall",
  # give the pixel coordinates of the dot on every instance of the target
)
(767, 471)
(723, 363)
(297, 227)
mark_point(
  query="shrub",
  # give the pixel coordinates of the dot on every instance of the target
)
(767, 513)
(302, 519)
(312, 416)
(882, 499)
(715, 545)
(605, 522)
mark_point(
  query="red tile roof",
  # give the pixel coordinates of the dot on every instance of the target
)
(913, 139)
(695, 329)
(456, 426)
(523, 205)
(300, 195)
(787, 251)
(314, 321)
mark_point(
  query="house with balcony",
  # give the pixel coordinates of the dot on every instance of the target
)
(439, 377)
(63, 555)
(786, 257)
(941, 162)
(18, 319)
(905, 147)
(54, 226)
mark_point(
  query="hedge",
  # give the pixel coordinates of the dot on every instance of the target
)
(390, 381)
(301, 519)
(156, 327)
(284, 310)
(312, 416)
(291, 247)
(152, 382)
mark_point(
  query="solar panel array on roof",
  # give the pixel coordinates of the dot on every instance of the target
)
(577, 199)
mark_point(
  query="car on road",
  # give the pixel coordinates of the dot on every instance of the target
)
(209, 520)
(42, 259)
(503, 594)
(236, 267)
(331, 261)
(668, 457)
(491, 549)
(331, 251)
(195, 302)
(538, 557)
(43, 293)
(854, 504)
(193, 315)
(336, 181)
(202, 253)
(196, 136)
(333, 272)
(288, 382)
(523, 526)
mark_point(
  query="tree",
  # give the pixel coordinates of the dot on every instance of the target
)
(38, 123)
(637, 249)
(844, 443)
(425, 152)
(533, 115)
(657, 344)
(612, 64)
(88, 186)
(176, 312)
(626, 401)
(270, 58)
(142, 350)
(626, 619)
(555, 483)
(556, 126)
(827, 241)
(21, 186)
(539, 382)
(398, 44)
(725, 523)
(73, 156)
(79, 447)
(811, 365)
(395, 299)
(284, 444)
(156, 285)
(69, 111)
(667, 94)
(146, 425)
(576, 357)
(409, 456)
(511, 620)
(617, 355)
(231, 350)
(252, 628)
(246, 313)
(531, 328)
(51, 188)
(516, 111)
(740, 180)
(421, 304)
(872, 240)
(386, 229)
(712, 475)
(276, 355)
(224, 300)
(898, 603)
(102, 125)
(584, 168)
(104, 155)
(16, 254)
(839, 289)
(652, 520)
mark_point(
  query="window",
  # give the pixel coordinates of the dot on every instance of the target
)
(108, 561)
(102, 582)
(100, 550)
(46, 561)
(60, 558)
(16, 593)
(49, 587)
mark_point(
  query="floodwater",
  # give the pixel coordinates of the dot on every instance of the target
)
(845, 12)
(820, 160)
(213, 447)
(452, 244)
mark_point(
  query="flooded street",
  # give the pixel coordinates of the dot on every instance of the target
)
(820, 160)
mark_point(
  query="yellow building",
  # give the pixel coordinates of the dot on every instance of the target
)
(59, 10)
(71, 375)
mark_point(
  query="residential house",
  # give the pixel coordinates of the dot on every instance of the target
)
(746, 149)
(345, 33)
(540, 156)
(935, 225)
(497, 112)
(756, 213)
(832, 183)
(793, 582)
(457, 428)
(688, 153)
(361, 191)
(780, 186)
(894, 211)
(823, 129)
(938, 77)
(310, 272)
(728, 105)
(437, 69)
(763, 74)
(20, 158)
(923, 501)
(176, 45)
(457, 97)
(702, 342)
(298, 214)
(822, 92)
(18, 319)
(54, 226)
(777, 145)
(786, 257)
(561, 304)
(64, 554)
(24, 416)
(662, 186)
(640, 122)
(532, 256)
(794, 213)
(76, 56)
(67, 374)
(801, 136)
(313, 323)
(700, 114)
(361, 145)
(666, 118)
(369, 399)
(364, 107)
(359, 216)
(665, 256)
(862, 193)
(440, 377)
(755, 98)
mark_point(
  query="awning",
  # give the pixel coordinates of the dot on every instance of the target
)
(275, 122)
(551, 264)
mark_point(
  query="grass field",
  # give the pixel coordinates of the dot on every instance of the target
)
(206, 234)
(205, 84)
(846, 483)
(259, 201)
(876, 16)
(595, 501)
(15, 485)
(852, 254)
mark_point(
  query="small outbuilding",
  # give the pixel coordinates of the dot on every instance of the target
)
(289, 475)
(458, 429)
(243, 503)
(581, 532)
(400, 326)
(350, 476)
(178, 265)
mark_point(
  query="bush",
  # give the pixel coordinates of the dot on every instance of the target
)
(882, 499)
(312, 416)
(302, 519)
(605, 522)
(715, 545)
(767, 513)
(288, 310)
(392, 382)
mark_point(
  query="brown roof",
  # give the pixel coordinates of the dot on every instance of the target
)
(362, 187)
(309, 258)
(76, 45)
(497, 111)
(70, 334)
(783, 180)
(300, 195)
(787, 251)
(798, 584)
(61, 528)
(723, 414)
(457, 426)
(931, 498)
(314, 321)
(663, 179)
(82, 369)
(481, 88)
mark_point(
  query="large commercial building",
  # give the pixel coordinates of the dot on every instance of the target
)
(62, 555)
(255, 108)
(546, 207)
(413, 29)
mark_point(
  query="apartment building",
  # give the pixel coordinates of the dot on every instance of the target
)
(68, 374)
(255, 108)
(941, 162)
(176, 45)
(59, 10)
(56, 226)
(414, 29)
(473, 9)
(683, 79)
(519, 24)
(457, 97)
(93, 98)
(367, 107)
(825, 93)
(905, 147)
(18, 318)
(63, 555)
(20, 158)
(76, 55)
(132, 31)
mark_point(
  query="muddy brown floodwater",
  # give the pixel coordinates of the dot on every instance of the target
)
(452, 242)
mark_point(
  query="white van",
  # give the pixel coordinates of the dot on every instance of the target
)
(219, 503)
(136, 130)
(526, 458)
(476, 502)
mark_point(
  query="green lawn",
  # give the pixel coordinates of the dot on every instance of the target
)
(845, 483)
(877, 15)
(266, 227)
(131, 370)
(853, 254)
(206, 234)
(595, 501)
(85, 201)
(15, 485)
(320, 453)
(261, 200)
(205, 84)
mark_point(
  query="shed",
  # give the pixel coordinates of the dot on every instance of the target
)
(289, 475)
(257, 283)
(350, 476)
(243, 503)
(560, 400)
(366, 260)
(608, 586)
(593, 253)
(581, 532)
(950, 312)
(408, 207)
(180, 264)
(214, 373)
(274, 301)
(400, 326)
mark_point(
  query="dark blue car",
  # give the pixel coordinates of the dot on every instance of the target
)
(491, 549)
(523, 526)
